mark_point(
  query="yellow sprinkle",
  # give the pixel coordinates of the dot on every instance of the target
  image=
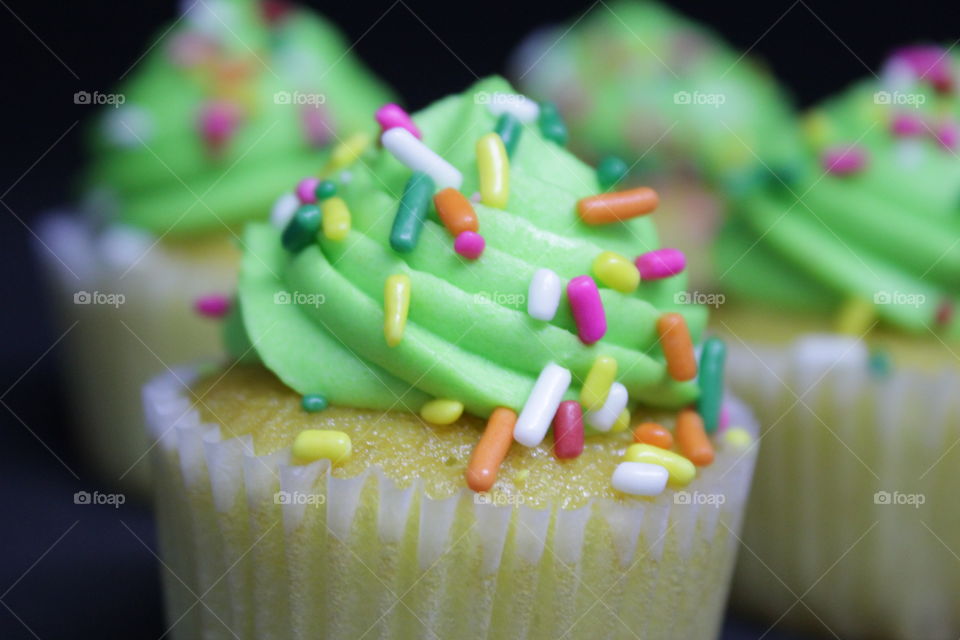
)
(494, 169)
(336, 218)
(856, 317)
(347, 152)
(396, 304)
(622, 422)
(597, 385)
(816, 128)
(738, 438)
(521, 475)
(616, 272)
(442, 411)
(681, 470)
(316, 444)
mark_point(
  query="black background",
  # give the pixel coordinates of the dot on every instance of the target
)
(71, 571)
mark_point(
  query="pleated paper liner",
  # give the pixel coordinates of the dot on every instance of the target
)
(255, 547)
(125, 304)
(854, 505)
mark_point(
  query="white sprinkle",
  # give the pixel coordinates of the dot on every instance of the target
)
(640, 478)
(419, 157)
(346, 176)
(521, 107)
(541, 406)
(128, 126)
(603, 419)
(283, 209)
(123, 246)
(543, 298)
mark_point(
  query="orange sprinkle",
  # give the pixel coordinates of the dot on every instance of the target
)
(653, 433)
(491, 450)
(617, 205)
(692, 438)
(677, 346)
(455, 211)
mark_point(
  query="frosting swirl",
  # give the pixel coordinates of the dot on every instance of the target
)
(316, 319)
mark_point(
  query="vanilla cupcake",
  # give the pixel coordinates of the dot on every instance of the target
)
(198, 139)
(376, 460)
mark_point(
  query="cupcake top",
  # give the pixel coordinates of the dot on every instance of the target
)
(639, 80)
(868, 230)
(470, 263)
(234, 97)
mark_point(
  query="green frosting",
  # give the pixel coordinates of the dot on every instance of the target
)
(636, 79)
(886, 233)
(316, 318)
(291, 84)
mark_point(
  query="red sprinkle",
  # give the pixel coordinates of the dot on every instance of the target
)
(844, 160)
(214, 305)
(568, 430)
(218, 121)
(944, 312)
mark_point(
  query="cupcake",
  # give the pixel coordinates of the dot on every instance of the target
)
(635, 80)
(842, 335)
(375, 460)
(233, 96)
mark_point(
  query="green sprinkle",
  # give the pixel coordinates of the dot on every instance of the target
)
(302, 229)
(412, 212)
(611, 171)
(313, 402)
(325, 189)
(710, 380)
(879, 363)
(551, 123)
(509, 130)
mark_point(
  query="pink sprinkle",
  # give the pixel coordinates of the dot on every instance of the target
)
(392, 115)
(214, 305)
(944, 313)
(470, 245)
(905, 125)
(587, 309)
(661, 263)
(948, 135)
(218, 121)
(316, 125)
(723, 421)
(928, 62)
(844, 160)
(307, 190)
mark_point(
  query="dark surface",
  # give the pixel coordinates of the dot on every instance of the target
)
(79, 571)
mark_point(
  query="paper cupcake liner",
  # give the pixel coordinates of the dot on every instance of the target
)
(853, 509)
(255, 547)
(124, 302)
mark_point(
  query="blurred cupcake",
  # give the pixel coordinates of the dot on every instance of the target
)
(635, 80)
(405, 340)
(854, 501)
(199, 138)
